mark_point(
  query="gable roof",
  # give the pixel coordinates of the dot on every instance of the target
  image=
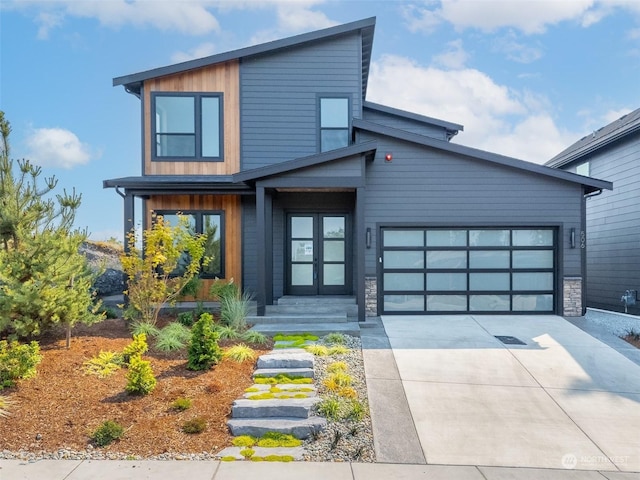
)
(133, 82)
(452, 128)
(591, 184)
(613, 132)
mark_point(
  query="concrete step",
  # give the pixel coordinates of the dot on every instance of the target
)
(310, 318)
(350, 310)
(316, 300)
(296, 452)
(285, 359)
(256, 427)
(290, 408)
(319, 329)
(290, 372)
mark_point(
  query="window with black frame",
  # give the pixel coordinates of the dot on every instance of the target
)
(209, 223)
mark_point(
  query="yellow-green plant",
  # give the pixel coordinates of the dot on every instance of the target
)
(243, 441)
(5, 406)
(152, 278)
(195, 425)
(18, 361)
(240, 353)
(180, 404)
(337, 350)
(277, 439)
(136, 348)
(204, 351)
(247, 452)
(104, 365)
(107, 432)
(337, 367)
(140, 378)
(317, 350)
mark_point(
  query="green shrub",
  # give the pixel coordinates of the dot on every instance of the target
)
(335, 338)
(107, 432)
(181, 404)
(136, 348)
(195, 425)
(140, 379)
(104, 365)
(204, 351)
(357, 410)
(252, 336)
(139, 328)
(234, 310)
(186, 318)
(240, 353)
(18, 361)
(337, 350)
(243, 441)
(5, 406)
(247, 452)
(226, 332)
(330, 408)
(174, 336)
(109, 312)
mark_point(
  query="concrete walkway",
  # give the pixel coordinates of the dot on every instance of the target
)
(563, 400)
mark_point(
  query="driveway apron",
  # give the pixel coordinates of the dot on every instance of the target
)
(562, 400)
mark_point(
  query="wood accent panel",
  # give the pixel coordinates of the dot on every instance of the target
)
(230, 204)
(225, 78)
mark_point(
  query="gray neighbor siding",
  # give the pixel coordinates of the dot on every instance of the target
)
(432, 187)
(407, 124)
(613, 227)
(278, 105)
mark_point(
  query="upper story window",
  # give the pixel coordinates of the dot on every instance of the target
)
(334, 123)
(187, 126)
(583, 169)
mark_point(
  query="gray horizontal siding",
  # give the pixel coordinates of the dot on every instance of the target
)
(427, 186)
(278, 104)
(407, 124)
(613, 227)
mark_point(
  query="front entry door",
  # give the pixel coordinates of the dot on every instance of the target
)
(318, 257)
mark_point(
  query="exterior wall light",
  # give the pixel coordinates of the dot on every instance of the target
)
(388, 157)
(367, 238)
(572, 237)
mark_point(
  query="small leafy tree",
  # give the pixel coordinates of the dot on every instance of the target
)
(151, 276)
(204, 351)
(44, 279)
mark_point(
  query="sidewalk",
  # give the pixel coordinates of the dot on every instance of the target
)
(213, 470)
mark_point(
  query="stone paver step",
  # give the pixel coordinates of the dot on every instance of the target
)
(290, 372)
(296, 452)
(285, 359)
(256, 427)
(290, 407)
(281, 389)
(320, 329)
(299, 317)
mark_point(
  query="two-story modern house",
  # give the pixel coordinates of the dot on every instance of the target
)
(613, 218)
(306, 188)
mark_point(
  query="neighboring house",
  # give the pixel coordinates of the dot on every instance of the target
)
(308, 189)
(613, 218)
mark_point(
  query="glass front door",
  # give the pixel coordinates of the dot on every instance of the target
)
(318, 254)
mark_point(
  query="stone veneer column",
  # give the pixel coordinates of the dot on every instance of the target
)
(572, 293)
(371, 296)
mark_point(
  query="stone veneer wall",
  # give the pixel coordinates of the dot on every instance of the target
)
(371, 296)
(572, 295)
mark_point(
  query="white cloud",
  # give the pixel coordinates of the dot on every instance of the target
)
(57, 147)
(613, 115)
(516, 50)
(495, 118)
(203, 50)
(191, 17)
(528, 16)
(454, 58)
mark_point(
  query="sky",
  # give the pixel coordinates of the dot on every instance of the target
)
(526, 78)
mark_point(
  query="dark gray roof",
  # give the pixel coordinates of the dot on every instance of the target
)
(133, 82)
(453, 127)
(176, 184)
(613, 132)
(365, 148)
(592, 184)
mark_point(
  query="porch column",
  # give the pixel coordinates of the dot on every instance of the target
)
(129, 218)
(268, 251)
(360, 248)
(261, 221)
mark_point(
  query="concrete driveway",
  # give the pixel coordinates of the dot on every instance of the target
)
(563, 400)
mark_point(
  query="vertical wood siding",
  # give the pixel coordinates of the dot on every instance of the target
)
(230, 204)
(216, 78)
(279, 114)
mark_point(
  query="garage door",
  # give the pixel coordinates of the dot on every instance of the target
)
(480, 270)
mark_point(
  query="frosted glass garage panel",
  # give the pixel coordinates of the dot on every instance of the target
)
(533, 259)
(533, 238)
(489, 238)
(533, 303)
(447, 259)
(398, 303)
(489, 281)
(404, 259)
(446, 238)
(489, 259)
(489, 303)
(403, 238)
(403, 281)
(446, 303)
(446, 281)
(533, 281)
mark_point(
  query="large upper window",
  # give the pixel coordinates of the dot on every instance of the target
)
(211, 224)
(334, 123)
(187, 126)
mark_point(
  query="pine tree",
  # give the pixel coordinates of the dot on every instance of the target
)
(44, 280)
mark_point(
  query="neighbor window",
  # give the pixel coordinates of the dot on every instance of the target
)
(583, 169)
(187, 126)
(210, 223)
(334, 123)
